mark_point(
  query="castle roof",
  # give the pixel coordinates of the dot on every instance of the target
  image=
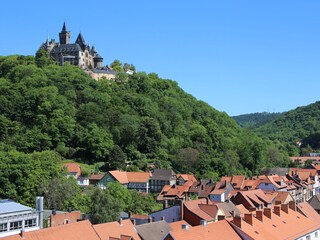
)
(64, 28)
(66, 48)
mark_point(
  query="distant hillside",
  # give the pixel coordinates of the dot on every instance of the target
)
(300, 124)
(254, 119)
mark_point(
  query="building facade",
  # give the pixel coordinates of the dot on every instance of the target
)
(78, 53)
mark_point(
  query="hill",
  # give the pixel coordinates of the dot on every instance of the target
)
(299, 125)
(255, 119)
(128, 123)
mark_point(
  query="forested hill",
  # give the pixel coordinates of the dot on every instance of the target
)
(300, 124)
(255, 119)
(138, 121)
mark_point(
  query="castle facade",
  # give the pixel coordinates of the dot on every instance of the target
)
(78, 53)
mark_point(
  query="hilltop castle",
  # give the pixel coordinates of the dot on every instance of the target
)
(78, 53)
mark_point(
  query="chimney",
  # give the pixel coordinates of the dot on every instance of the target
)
(22, 232)
(292, 205)
(221, 217)
(39, 209)
(285, 208)
(237, 221)
(165, 204)
(259, 215)
(133, 221)
(252, 209)
(130, 214)
(150, 220)
(120, 221)
(185, 227)
(54, 211)
(162, 218)
(267, 212)
(277, 202)
(276, 210)
(203, 223)
(69, 209)
(248, 218)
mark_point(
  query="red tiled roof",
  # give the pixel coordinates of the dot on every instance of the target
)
(126, 177)
(73, 168)
(187, 177)
(216, 230)
(115, 230)
(303, 159)
(61, 218)
(75, 231)
(96, 177)
(194, 207)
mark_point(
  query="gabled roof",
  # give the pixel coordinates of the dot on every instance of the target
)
(217, 230)
(120, 176)
(197, 207)
(252, 198)
(228, 208)
(82, 230)
(202, 188)
(153, 231)
(96, 177)
(307, 210)
(116, 230)
(163, 174)
(174, 191)
(73, 168)
(126, 177)
(315, 202)
(80, 40)
(276, 170)
(61, 218)
(187, 177)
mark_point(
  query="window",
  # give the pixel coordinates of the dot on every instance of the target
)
(316, 234)
(308, 237)
(30, 222)
(15, 225)
(3, 227)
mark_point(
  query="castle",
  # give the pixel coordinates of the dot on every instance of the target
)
(78, 53)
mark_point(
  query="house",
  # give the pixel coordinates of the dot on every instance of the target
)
(171, 193)
(73, 170)
(302, 160)
(169, 214)
(202, 209)
(95, 178)
(120, 230)
(15, 217)
(221, 191)
(221, 230)
(58, 219)
(74, 231)
(202, 189)
(153, 230)
(83, 181)
(279, 196)
(162, 177)
(186, 179)
(252, 199)
(131, 180)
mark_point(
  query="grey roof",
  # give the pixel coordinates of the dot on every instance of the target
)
(154, 230)
(104, 71)
(315, 202)
(10, 206)
(163, 174)
(64, 48)
(80, 40)
(64, 28)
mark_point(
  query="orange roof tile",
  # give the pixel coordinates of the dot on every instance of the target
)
(120, 176)
(138, 177)
(194, 207)
(61, 218)
(291, 225)
(216, 230)
(75, 231)
(96, 176)
(73, 168)
(115, 230)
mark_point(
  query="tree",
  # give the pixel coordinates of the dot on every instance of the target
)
(116, 66)
(117, 158)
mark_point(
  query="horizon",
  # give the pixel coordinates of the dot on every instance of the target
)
(240, 58)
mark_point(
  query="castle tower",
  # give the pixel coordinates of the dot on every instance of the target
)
(64, 35)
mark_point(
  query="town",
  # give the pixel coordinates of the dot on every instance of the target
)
(281, 203)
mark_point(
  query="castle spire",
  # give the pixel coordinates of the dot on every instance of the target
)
(64, 28)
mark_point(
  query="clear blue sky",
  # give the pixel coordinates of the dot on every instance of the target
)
(238, 56)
